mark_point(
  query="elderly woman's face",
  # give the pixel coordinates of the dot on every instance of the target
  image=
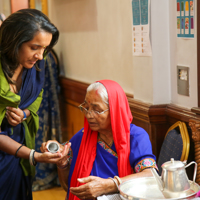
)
(100, 123)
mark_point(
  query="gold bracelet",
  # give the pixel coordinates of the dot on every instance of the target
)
(119, 179)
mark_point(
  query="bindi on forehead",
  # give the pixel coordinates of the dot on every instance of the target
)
(92, 97)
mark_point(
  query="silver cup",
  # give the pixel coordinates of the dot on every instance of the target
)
(53, 147)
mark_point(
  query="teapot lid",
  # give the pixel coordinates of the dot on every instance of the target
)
(172, 165)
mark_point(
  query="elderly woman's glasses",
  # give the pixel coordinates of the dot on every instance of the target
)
(93, 112)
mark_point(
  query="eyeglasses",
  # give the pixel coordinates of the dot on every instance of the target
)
(95, 113)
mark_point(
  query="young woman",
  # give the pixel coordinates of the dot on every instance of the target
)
(26, 36)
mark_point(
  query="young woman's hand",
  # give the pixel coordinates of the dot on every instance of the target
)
(43, 147)
(14, 116)
(61, 160)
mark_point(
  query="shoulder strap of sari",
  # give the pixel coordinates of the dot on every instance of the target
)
(31, 126)
(32, 97)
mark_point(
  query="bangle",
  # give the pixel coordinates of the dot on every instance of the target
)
(18, 150)
(31, 158)
(65, 166)
(24, 118)
(115, 183)
(34, 162)
(119, 179)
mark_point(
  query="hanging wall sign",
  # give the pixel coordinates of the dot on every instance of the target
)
(141, 38)
(185, 18)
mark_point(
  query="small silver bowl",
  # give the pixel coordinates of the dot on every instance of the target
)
(53, 147)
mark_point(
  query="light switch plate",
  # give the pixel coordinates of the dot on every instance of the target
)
(183, 80)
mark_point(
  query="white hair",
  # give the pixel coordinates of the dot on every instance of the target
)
(101, 91)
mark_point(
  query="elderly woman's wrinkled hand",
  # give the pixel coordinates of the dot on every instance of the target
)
(93, 187)
(64, 161)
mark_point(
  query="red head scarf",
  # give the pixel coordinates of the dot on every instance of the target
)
(121, 118)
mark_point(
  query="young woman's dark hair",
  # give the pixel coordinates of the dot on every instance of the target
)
(18, 28)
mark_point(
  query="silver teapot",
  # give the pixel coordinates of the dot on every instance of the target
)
(174, 182)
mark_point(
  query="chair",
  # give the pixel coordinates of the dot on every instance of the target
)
(176, 145)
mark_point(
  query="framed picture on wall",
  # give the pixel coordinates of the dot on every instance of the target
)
(39, 5)
(185, 18)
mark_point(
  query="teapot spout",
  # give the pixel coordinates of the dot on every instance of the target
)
(158, 179)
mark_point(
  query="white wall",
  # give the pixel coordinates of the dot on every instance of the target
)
(95, 39)
(96, 43)
(152, 81)
(5, 7)
(183, 52)
(160, 27)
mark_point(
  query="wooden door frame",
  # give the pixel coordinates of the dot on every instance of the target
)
(198, 50)
(44, 4)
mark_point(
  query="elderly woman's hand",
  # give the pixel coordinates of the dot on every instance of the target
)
(93, 187)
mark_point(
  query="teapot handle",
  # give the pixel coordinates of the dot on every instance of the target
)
(195, 169)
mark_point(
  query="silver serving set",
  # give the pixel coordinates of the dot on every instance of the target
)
(172, 184)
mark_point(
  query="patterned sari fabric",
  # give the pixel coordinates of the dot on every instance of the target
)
(16, 174)
(49, 125)
(131, 144)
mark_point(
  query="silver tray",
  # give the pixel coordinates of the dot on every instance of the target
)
(147, 189)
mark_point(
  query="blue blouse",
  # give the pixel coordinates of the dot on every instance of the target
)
(105, 164)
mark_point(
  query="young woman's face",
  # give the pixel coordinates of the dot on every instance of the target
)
(33, 50)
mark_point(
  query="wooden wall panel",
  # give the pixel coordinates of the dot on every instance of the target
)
(73, 90)
(71, 96)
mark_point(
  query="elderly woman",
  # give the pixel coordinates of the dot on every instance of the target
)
(108, 147)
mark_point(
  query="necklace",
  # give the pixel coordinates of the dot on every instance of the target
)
(109, 144)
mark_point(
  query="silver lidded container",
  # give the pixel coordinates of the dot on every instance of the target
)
(53, 147)
(174, 182)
